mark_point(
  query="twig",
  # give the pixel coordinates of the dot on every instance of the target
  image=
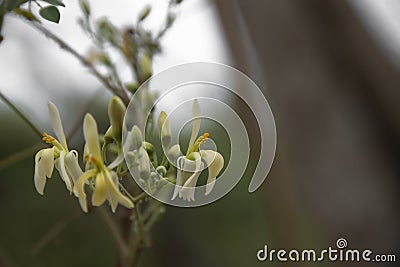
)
(63, 45)
(136, 242)
(21, 115)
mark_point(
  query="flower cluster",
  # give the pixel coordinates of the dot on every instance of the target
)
(103, 181)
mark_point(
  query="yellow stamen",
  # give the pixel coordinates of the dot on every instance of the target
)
(203, 138)
(90, 159)
(48, 138)
(199, 141)
(51, 140)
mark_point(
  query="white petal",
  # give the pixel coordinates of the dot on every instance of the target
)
(215, 163)
(57, 124)
(100, 191)
(91, 136)
(185, 170)
(179, 179)
(79, 188)
(39, 177)
(115, 194)
(111, 199)
(44, 165)
(187, 191)
(118, 160)
(47, 161)
(192, 165)
(72, 166)
(63, 171)
(196, 124)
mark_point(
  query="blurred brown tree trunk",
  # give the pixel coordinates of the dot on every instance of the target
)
(335, 99)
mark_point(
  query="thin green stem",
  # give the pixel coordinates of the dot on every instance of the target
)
(158, 210)
(140, 226)
(123, 173)
(141, 196)
(21, 115)
(164, 160)
(137, 240)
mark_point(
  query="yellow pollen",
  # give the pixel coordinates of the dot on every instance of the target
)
(48, 138)
(90, 159)
(203, 138)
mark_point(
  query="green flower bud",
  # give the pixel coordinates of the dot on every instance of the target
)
(161, 170)
(85, 7)
(149, 147)
(144, 13)
(132, 87)
(154, 176)
(108, 137)
(144, 164)
(145, 67)
(164, 129)
(107, 31)
(142, 182)
(137, 138)
(170, 20)
(116, 113)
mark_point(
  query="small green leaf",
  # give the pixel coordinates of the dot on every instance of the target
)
(55, 2)
(50, 13)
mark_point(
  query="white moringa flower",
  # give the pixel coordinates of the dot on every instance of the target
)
(106, 183)
(191, 165)
(65, 161)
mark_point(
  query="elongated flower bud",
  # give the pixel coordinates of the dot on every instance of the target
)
(137, 137)
(144, 163)
(108, 136)
(85, 7)
(116, 113)
(144, 13)
(164, 129)
(91, 137)
(145, 67)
